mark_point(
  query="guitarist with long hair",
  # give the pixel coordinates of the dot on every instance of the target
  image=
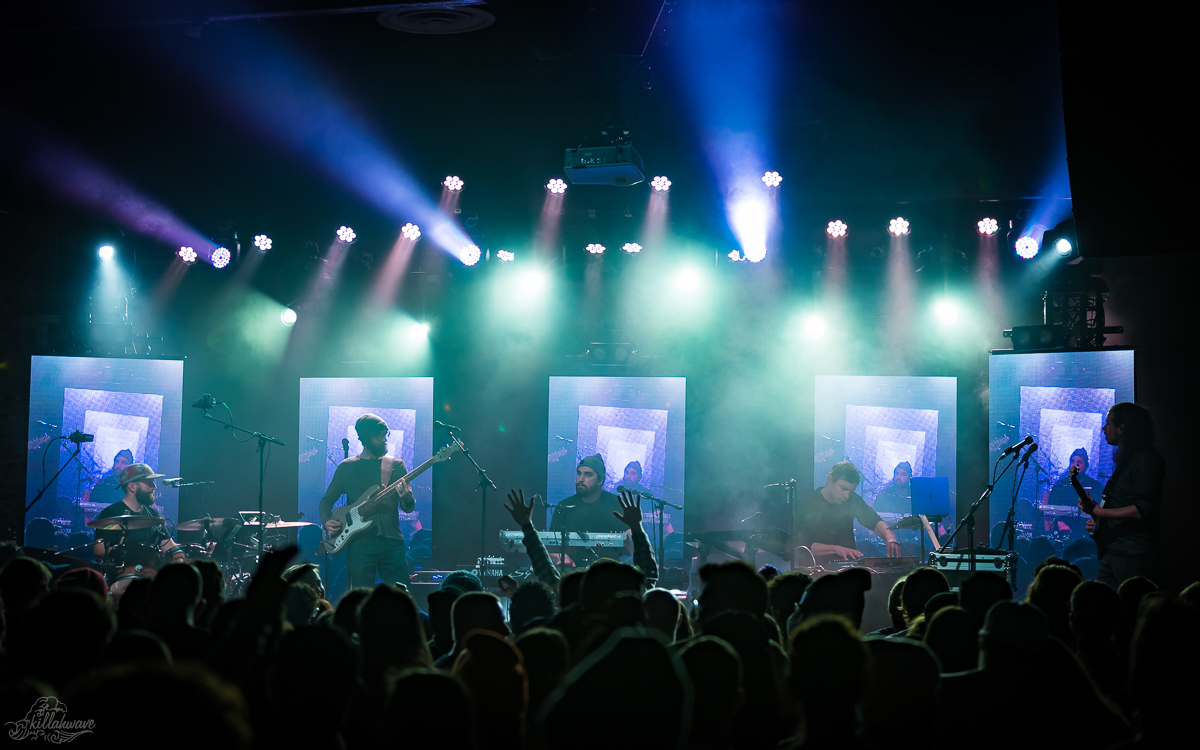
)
(1125, 527)
(379, 548)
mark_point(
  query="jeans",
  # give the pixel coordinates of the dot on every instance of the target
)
(1116, 570)
(377, 553)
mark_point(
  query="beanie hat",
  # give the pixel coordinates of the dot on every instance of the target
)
(595, 463)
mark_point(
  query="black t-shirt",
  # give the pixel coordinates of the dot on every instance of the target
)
(352, 478)
(151, 535)
(573, 514)
(1138, 481)
(894, 498)
(1062, 493)
(820, 521)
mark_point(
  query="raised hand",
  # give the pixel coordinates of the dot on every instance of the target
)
(517, 508)
(631, 509)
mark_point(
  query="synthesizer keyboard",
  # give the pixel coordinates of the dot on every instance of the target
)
(512, 539)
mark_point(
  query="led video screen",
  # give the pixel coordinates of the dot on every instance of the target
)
(132, 407)
(1060, 399)
(329, 408)
(893, 429)
(635, 424)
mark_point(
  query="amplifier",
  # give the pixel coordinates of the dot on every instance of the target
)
(957, 565)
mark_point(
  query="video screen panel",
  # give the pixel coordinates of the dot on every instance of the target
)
(635, 424)
(884, 425)
(132, 405)
(329, 408)
(1061, 400)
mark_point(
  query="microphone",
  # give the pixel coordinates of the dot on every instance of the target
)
(345, 447)
(205, 402)
(173, 482)
(80, 437)
(1017, 446)
(315, 440)
(444, 426)
(1032, 449)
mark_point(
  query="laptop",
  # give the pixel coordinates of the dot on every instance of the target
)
(931, 496)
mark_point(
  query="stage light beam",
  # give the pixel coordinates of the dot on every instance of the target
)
(106, 252)
(288, 317)
(814, 327)
(418, 331)
(946, 311)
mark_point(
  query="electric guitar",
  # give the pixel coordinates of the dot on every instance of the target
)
(1100, 533)
(356, 516)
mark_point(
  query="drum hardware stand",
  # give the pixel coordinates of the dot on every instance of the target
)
(209, 402)
(969, 519)
(484, 483)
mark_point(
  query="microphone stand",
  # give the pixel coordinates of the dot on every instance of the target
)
(484, 483)
(262, 469)
(969, 519)
(1010, 523)
(662, 522)
(42, 491)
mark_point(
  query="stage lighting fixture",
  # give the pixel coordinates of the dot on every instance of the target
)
(418, 331)
(453, 183)
(556, 186)
(106, 252)
(613, 354)
(346, 234)
(772, 179)
(687, 280)
(837, 229)
(946, 311)
(470, 255)
(221, 257)
(505, 256)
(596, 248)
(1062, 239)
(898, 226)
(988, 227)
(735, 256)
(410, 231)
(660, 184)
(1026, 247)
(262, 242)
(755, 254)
(187, 255)
(814, 326)
(631, 247)
(1063, 246)
(1038, 337)
(288, 317)
(532, 281)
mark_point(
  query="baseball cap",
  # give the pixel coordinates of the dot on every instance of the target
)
(138, 472)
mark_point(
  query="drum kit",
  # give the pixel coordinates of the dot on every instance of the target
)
(230, 542)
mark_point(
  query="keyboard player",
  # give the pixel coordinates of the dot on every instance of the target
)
(825, 517)
(591, 508)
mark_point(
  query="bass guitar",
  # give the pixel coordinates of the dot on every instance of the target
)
(356, 516)
(1100, 533)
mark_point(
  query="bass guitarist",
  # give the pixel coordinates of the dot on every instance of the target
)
(1126, 526)
(379, 548)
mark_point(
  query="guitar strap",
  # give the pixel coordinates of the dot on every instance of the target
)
(385, 470)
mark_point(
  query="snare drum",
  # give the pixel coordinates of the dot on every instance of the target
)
(129, 562)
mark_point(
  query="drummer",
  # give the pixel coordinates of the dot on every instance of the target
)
(137, 482)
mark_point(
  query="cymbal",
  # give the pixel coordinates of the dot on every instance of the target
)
(126, 521)
(54, 557)
(199, 524)
(908, 522)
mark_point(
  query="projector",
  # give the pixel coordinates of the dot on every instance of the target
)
(617, 165)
